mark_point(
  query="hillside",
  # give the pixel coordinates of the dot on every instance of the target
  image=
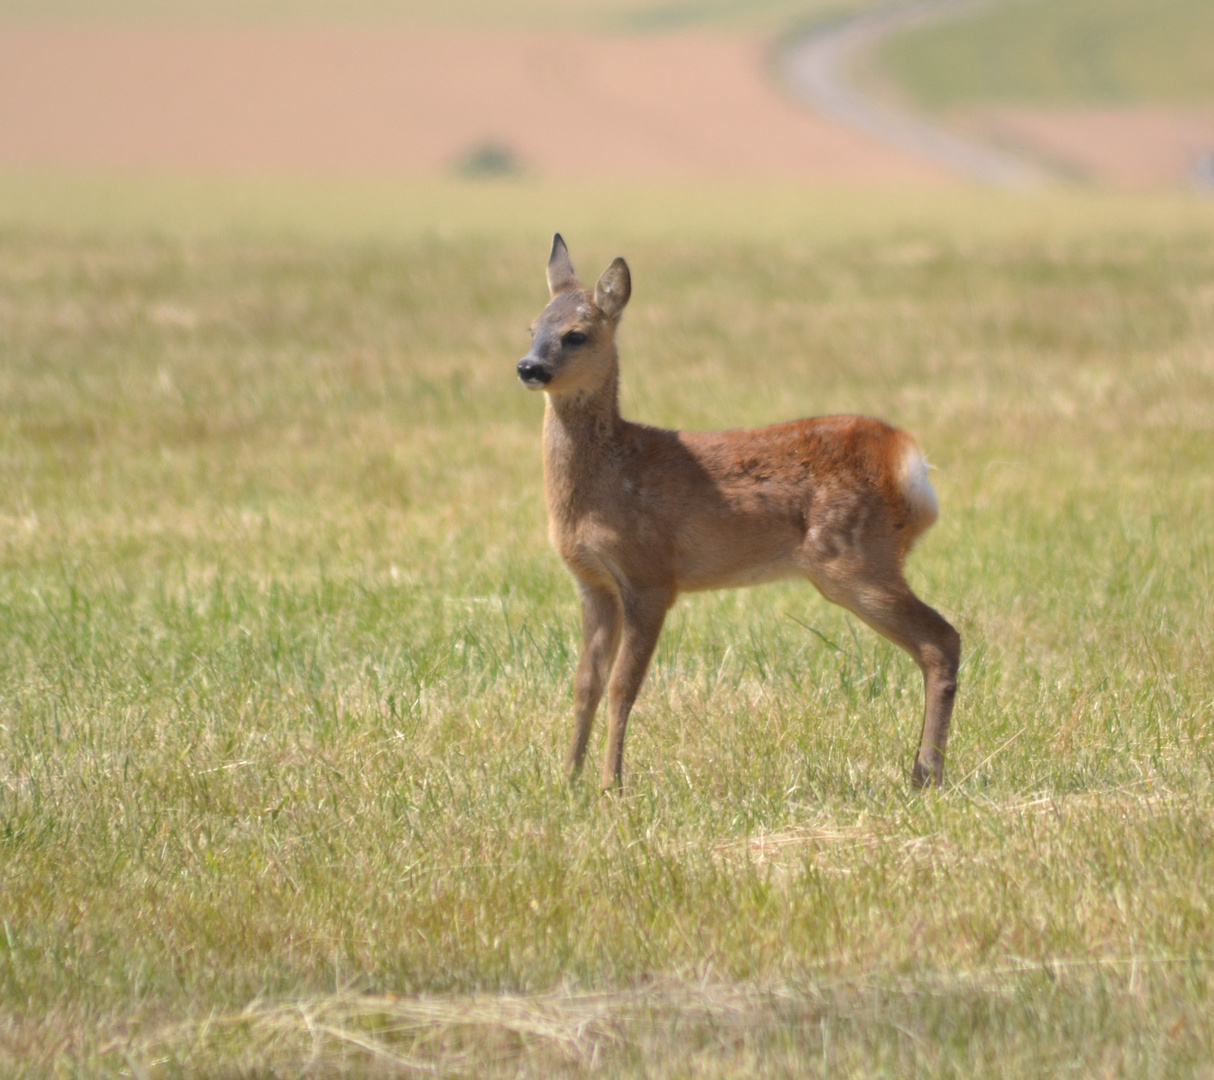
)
(1061, 52)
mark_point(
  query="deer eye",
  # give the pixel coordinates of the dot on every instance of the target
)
(573, 339)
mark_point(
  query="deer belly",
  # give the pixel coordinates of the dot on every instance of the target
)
(732, 557)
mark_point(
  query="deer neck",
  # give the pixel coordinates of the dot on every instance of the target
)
(581, 429)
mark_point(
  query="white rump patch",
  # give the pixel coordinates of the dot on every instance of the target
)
(916, 487)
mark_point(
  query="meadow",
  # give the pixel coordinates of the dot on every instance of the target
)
(1059, 53)
(286, 657)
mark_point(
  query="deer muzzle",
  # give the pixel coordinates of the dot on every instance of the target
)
(533, 374)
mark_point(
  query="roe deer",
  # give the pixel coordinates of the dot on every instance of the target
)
(640, 514)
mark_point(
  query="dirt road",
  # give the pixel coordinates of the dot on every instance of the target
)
(817, 69)
(1136, 146)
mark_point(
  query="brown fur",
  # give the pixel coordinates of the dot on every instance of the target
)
(640, 514)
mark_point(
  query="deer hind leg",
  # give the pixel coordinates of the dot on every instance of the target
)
(602, 619)
(644, 613)
(889, 607)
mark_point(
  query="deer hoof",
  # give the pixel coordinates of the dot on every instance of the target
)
(927, 774)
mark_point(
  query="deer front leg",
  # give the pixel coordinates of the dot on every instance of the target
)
(644, 612)
(602, 619)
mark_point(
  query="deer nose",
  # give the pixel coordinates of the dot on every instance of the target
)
(533, 374)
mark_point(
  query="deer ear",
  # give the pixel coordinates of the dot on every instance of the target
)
(613, 289)
(561, 275)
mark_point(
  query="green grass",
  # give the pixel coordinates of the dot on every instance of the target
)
(285, 659)
(187, 209)
(1061, 52)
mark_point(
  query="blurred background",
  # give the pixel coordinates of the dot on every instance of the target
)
(1110, 93)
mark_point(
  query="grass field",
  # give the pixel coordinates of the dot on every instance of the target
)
(1061, 52)
(286, 658)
